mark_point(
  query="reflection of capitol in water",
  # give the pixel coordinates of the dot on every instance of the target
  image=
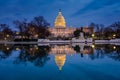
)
(60, 60)
(62, 49)
(60, 52)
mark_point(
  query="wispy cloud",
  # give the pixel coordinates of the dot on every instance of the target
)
(96, 5)
(82, 11)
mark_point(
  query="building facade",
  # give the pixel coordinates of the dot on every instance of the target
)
(61, 30)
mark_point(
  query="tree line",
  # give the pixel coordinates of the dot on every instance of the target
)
(101, 31)
(38, 28)
(34, 29)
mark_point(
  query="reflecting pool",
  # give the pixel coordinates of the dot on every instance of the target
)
(59, 62)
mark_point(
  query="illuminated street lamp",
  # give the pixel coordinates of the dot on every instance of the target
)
(93, 46)
(114, 35)
(93, 35)
(7, 48)
(114, 47)
(7, 35)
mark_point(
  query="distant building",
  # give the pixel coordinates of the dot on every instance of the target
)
(86, 29)
(60, 28)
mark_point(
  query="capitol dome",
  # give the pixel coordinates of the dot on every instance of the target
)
(60, 60)
(60, 21)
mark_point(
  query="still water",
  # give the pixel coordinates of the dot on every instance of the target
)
(60, 62)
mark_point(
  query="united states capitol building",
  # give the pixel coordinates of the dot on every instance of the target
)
(61, 30)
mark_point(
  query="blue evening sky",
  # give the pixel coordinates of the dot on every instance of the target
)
(76, 12)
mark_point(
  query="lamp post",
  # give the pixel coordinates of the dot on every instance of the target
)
(7, 35)
(114, 35)
(93, 35)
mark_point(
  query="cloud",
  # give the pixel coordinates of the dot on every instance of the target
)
(82, 11)
(96, 5)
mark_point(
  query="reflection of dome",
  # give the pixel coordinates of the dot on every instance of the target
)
(60, 21)
(60, 60)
